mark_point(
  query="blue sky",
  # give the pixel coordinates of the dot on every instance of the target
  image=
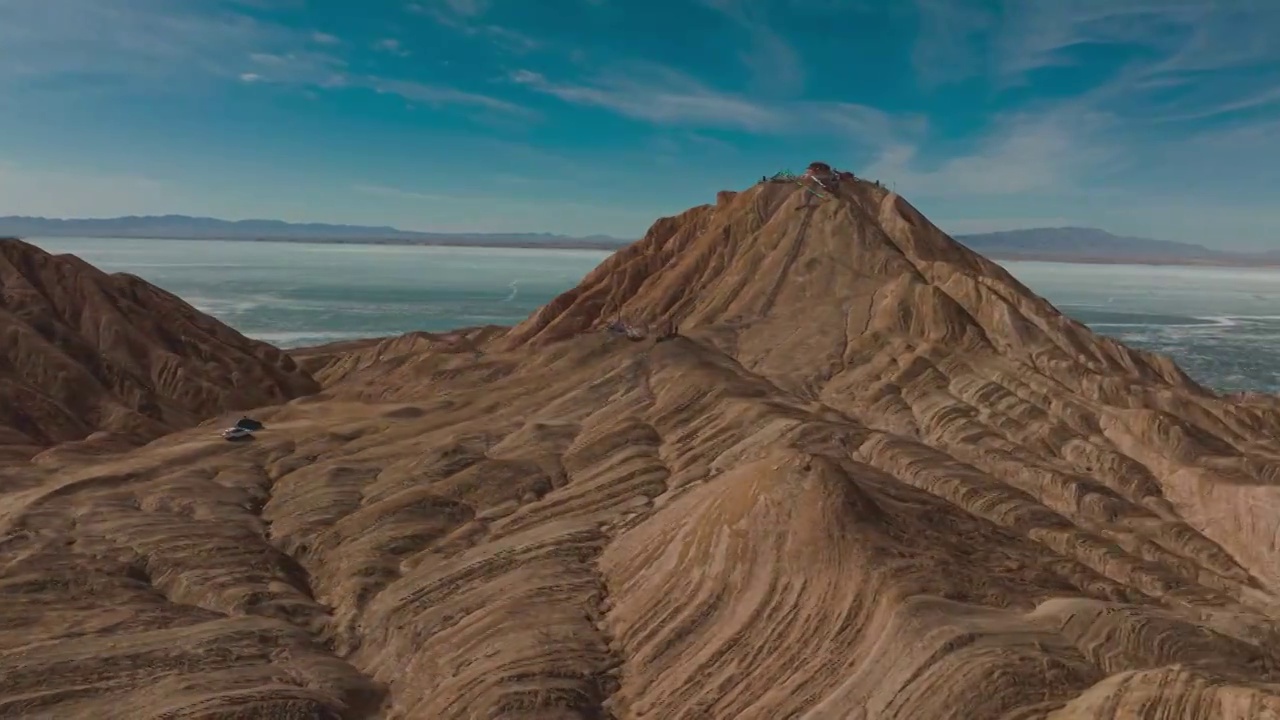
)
(1158, 118)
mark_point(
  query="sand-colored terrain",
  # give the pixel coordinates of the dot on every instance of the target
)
(873, 477)
(84, 352)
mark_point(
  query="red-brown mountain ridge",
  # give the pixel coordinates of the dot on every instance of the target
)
(869, 476)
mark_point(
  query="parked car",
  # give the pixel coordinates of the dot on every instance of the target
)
(236, 433)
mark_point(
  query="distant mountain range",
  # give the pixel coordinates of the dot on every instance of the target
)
(1080, 244)
(1064, 244)
(183, 227)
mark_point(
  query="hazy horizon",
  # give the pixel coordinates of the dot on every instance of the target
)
(349, 232)
(271, 221)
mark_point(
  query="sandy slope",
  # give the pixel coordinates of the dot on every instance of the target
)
(874, 477)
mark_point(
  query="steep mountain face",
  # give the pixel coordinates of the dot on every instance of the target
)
(871, 476)
(85, 351)
(781, 269)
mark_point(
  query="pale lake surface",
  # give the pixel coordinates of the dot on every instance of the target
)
(1222, 325)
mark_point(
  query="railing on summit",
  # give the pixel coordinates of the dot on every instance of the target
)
(788, 176)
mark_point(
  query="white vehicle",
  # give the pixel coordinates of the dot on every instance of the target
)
(236, 433)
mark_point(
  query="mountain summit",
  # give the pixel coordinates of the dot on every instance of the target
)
(795, 454)
(826, 270)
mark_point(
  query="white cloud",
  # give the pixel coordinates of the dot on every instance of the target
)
(680, 100)
(1051, 153)
(450, 12)
(1262, 98)
(437, 95)
(1138, 151)
(681, 147)
(305, 71)
(465, 23)
(134, 40)
(469, 8)
(947, 46)
(1037, 35)
(1076, 168)
(162, 46)
(1190, 59)
(865, 124)
(774, 63)
(392, 46)
(508, 39)
(300, 68)
(662, 96)
(700, 141)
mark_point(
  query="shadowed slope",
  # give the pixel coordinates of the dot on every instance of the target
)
(873, 477)
(85, 351)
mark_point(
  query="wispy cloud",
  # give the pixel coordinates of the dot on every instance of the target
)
(138, 41)
(1021, 154)
(677, 99)
(508, 39)
(1190, 59)
(1190, 101)
(135, 40)
(437, 95)
(1039, 35)
(1213, 186)
(163, 46)
(680, 147)
(303, 68)
(665, 97)
(678, 142)
(1261, 98)
(870, 125)
(310, 72)
(775, 65)
(949, 41)
(391, 46)
(462, 16)
(467, 8)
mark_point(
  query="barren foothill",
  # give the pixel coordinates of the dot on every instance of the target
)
(87, 353)
(871, 477)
